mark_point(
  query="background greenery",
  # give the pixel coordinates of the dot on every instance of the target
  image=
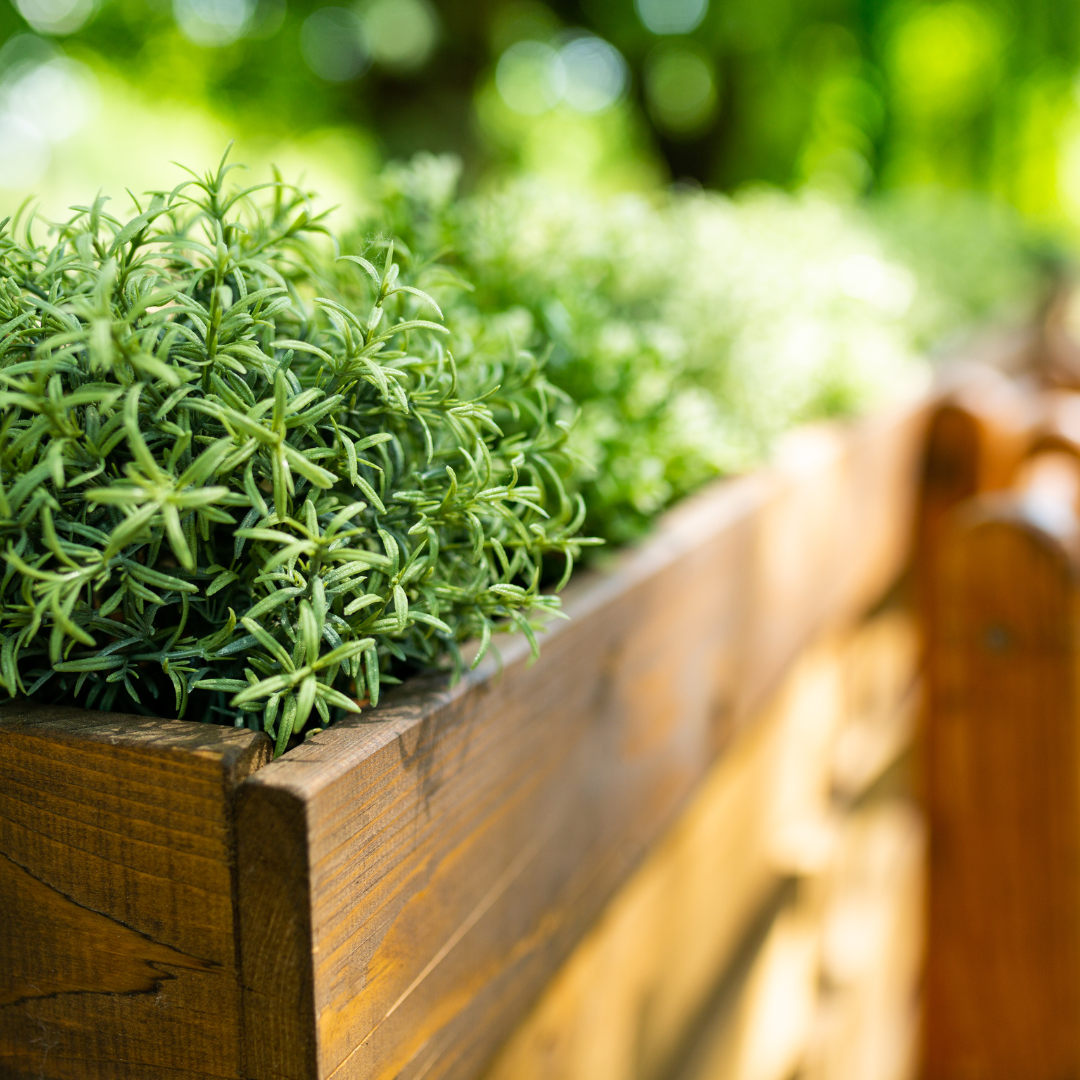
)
(693, 329)
(849, 96)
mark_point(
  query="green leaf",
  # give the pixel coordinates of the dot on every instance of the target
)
(220, 684)
(92, 663)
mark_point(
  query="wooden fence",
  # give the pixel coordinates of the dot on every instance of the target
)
(1002, 756)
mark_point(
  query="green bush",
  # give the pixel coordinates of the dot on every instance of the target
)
(246, 479)
(693, 329)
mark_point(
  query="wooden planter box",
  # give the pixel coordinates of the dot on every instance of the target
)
(389, 898)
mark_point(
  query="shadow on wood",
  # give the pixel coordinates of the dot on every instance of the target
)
(396, 891)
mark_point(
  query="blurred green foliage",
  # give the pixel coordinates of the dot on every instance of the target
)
(693, 329)
(847, 96)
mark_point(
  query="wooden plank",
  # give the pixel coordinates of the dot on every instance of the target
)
(435, 862)
(766, 1035)
(884, 696)
(1003, 790)
(625, 1002)
(118, 957)
(866, 1020)
(833, 537)
(622, 1003)
(455, 850)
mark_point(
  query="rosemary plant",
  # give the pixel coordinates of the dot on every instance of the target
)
(242, 476)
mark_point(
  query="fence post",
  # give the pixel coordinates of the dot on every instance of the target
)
(1002, 786)
(974, 442)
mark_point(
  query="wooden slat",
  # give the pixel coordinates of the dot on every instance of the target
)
(451, 853)
(1003, 790)
(766, 1036)
(118, 956)
(623, 1002)
(432, 865)
(881, 666)
(866, 1019)
(834, 537)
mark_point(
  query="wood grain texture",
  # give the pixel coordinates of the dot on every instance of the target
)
(629, 1000)
(621, 1005)
(1002, 763)
(432, 863)
(458, 847)
(118, 953)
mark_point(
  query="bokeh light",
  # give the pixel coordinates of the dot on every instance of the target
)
(45, 99)
(334, 44)
(680, 87)
(671, 16)
(583, 72)
(595, 74)
(965, 94)
(56, 16)
(266, 20)
(400, 33)
(213, 23)
(531, 77)
(945, 60)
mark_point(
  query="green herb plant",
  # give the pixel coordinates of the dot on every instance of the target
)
(242, 476)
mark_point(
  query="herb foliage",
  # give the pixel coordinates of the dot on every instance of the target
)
(243, 476)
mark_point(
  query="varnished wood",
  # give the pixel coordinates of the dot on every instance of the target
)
(622, 1004)
(883, 698)
(456, 849)
(871, 924)
(978, 435)
(118, 952)
(407, 882)
(982, 427)
(1058, 430)
(627, 1001)
(1003, 791)
(432, 863)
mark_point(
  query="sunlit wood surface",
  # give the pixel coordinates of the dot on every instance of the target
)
(777, 928)
(117, 874)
